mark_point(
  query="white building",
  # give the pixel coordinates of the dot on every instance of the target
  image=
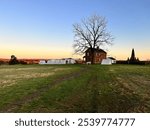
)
(113, 60)
(42, 62)
(59, 61)
(108, 61)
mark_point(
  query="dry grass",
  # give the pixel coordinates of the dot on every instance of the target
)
(134, 80)
(12, 75)
(6, 83)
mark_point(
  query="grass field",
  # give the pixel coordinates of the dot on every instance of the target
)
(74, 88)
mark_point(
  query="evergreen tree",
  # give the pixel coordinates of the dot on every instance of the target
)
(133, 58)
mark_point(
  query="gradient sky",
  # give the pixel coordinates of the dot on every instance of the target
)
(43, 28)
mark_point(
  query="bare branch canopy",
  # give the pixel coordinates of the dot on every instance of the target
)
(91, 33)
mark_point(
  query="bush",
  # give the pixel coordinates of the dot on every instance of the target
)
(13, 60)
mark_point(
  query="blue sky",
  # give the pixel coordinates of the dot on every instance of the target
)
(43, 28)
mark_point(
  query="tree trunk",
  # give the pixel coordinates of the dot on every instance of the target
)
(92, 56)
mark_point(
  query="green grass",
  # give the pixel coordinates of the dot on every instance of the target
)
(27, 80)
(75, 88)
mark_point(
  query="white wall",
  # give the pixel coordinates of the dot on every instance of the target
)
(42, 62)
(58, 61)
(106, 61)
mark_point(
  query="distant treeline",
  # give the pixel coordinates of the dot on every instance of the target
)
(136, 62)
(6, 62)
(3, 62)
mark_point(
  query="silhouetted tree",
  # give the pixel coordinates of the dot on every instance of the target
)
(91, 33)
(133, 59)
(13, 60)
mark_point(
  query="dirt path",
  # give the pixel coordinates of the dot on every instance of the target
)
(14, 106)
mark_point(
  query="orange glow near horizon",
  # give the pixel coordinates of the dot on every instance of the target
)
(45, 52)
(36, 53)
(61, 53)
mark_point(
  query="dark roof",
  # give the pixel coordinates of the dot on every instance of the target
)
(111, 58)
(96, 50)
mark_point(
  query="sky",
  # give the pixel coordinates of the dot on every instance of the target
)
(43, 28)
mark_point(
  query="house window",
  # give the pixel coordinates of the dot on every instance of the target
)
(97, 54)
(88, 54)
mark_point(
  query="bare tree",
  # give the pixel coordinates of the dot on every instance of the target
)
(91, 33)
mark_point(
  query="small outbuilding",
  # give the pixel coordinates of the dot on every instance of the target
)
(113, 60)
(108, 61)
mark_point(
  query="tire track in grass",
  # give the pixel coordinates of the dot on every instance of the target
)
(86, 98)
(14, 106)
(129, 88)
(111, 96)
(94, 95)
(132, 100)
